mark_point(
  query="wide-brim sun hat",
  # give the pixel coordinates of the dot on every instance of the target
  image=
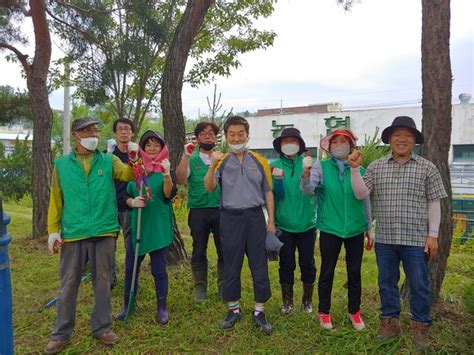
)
(402, 122)
(326, 141)
(289, 132)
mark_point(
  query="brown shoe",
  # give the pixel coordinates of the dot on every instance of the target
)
(55, 346)
(108, 338)
(421, 338)
(389, 328)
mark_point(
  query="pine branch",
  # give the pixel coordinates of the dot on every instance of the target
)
(23, 58)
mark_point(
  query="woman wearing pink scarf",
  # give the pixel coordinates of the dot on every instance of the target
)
(153, 173)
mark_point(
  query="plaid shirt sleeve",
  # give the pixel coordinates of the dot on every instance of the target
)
(369, 177)
(434, 185)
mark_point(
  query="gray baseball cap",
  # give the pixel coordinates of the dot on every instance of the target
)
(83, 122)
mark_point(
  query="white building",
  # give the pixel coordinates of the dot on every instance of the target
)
(8, 136)
(316, 121)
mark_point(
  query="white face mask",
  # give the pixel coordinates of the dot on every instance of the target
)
(237, 148)
(90, 143)
(290, 149)
(341, 152)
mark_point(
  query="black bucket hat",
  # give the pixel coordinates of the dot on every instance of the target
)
(289, 132)
(402, 122)
(151, 134)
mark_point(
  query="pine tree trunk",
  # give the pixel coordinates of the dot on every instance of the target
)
(42, 117)
(41, 153)
(172, 85)
(436, 105)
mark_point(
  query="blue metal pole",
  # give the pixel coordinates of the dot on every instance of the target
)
(6, 323)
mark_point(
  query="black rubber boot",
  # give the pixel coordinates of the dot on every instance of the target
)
(307, 302)
(200, 284)
(287, 297)
(123, 312)
(162, 314)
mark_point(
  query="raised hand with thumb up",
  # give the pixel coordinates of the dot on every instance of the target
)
(277, 173)
(189, 149)
(215, 157)
(133, 150)
(307, 164)
(355, 158)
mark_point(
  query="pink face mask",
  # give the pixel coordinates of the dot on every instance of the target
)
(154, 165)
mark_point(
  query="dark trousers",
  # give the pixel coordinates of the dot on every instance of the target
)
(124, 222)
(158, 270)
(99, 252)
(202, 222)
(330, 246)
(304, 242)
(244, 232)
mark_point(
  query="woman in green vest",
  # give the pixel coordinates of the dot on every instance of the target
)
(295, 218)
(156, 221)
(341, 219)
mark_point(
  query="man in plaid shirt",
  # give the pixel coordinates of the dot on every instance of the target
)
(405, 190)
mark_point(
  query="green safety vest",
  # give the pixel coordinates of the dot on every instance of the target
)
(89, 203)
(295, 211)
(198, 196)
(339, 211)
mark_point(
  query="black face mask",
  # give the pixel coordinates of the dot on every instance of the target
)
(207, 146)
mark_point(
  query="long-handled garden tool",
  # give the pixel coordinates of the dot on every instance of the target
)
(54, 300)
(132, 294)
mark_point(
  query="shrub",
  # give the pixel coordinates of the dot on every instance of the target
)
(16, 171)
(372, 149)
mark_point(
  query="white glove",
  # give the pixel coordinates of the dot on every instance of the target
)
(138, 202)
(189, 149)
(278, 173)
(166, 165)
(111, 144)
(133, 150)
(54, 242)
(307, 162)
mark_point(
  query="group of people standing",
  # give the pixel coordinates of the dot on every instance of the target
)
(227, 194)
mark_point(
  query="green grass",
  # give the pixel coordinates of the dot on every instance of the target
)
(194, 327)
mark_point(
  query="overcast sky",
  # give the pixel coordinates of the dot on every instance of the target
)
(368, 56)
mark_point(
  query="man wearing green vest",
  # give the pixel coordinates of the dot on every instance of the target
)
(82, 221)
(203, 205)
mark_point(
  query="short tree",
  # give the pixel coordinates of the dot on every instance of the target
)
(16, 171)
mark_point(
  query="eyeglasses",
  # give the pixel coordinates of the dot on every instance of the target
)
(124, 129)
(206, 133)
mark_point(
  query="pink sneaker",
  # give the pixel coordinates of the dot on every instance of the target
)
(356, 320)
(325, 320)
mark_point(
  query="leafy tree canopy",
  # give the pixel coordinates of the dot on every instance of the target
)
(11, 15)
(14, 106)
(118, 48)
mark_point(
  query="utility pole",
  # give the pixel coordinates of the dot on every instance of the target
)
(67, 111)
